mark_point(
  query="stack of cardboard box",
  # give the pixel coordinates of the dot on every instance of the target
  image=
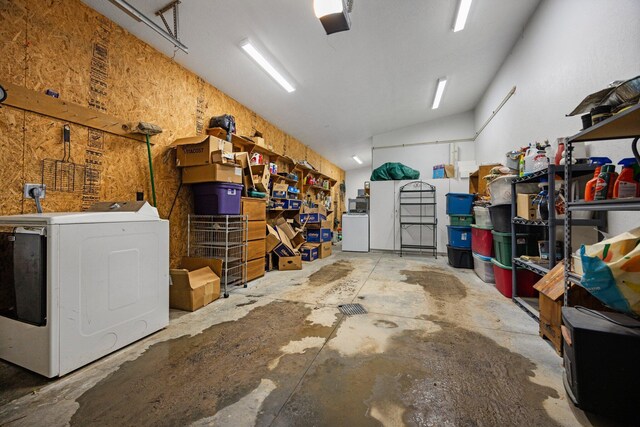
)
(283, 245)
(207, 159)
(318, 231)
(256, 212)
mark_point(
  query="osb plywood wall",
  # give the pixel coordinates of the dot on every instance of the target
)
(65, 46)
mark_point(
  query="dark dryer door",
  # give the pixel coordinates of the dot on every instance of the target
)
(23, 274)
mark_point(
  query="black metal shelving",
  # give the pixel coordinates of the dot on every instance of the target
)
(549, 224)
(624, 125)
(417, 211)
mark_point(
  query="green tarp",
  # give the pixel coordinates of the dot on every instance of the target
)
(394, 171)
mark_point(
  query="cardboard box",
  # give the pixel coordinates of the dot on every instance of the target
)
(272, 240)
(526, 208)
(290, 263)
(285, 248)
(295, 236)
(279, 190)
(255, 269)
(195, 263)
(309, 252)
(292, 203)
(268, 262)
(257, 230)
(242, 159)
(198, 150)
(192, 290)
(212, 173)
(318, 235)
(325, 223)
(324, 249)
(261, 177)
(477, 184)
(254, 209)
(223, 157)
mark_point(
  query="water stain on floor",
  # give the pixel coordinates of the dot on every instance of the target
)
(330, 273)
(453, 377)
(16, 382)
(250, 302)
(192, 377)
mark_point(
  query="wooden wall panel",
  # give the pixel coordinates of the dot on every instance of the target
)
(65, 46)
(13, 30)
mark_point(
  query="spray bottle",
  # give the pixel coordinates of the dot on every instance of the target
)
(590, 189)
(626, 186)
(604, 182)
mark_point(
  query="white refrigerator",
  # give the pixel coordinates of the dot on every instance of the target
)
(355, 232)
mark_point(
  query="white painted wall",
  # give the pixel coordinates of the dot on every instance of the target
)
(385, 231)
(354, 179)
(569, 49)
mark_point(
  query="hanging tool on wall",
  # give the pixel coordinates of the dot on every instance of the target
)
(148, 130)
(64, 175)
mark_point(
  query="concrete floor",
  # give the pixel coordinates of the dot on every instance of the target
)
(438, 347)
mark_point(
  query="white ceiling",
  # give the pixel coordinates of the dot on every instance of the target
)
(379, 76)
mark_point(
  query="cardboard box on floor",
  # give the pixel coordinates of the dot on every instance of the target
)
(289, 263)
(198, 150)
(212, 173)
(192, 290)
(272, 240)
(324, 249)
(295, 235)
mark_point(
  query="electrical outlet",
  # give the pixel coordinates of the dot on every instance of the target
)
(29, 187)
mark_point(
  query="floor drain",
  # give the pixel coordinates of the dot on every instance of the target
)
(352, 309)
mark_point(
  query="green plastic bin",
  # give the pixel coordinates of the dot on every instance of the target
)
(461, 220)
(525, 245)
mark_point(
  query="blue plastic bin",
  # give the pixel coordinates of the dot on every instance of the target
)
(460, 203)
(217, 198)
(459, 237)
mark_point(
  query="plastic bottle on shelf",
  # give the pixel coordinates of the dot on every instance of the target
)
(590, 189)
(626, 186)
(521, 165)
(603, 183)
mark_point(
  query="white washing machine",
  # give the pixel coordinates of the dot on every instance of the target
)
(75, 287)
(355, 232)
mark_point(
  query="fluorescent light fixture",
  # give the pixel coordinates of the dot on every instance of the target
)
(333, 15)
(357, 159)
(463, 13)
(270, 69)
(439, 91)
(327, 7)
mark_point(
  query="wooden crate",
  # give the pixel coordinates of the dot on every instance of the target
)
(551, 300)
(255, 269)
(477, 184)
(255, 209)
(257, 230)
(256, 249)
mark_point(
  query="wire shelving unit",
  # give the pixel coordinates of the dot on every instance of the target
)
(418, 218)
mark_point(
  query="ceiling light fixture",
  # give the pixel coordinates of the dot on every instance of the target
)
(266, 65)
(461, 17)
(333, 14)
(357, 159)
(439, 91)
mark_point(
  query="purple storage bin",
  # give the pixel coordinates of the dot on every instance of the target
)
(217, 198)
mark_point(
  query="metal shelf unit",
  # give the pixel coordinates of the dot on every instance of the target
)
(417, 210)
(549, 225)
(222, 237)
(624, 125)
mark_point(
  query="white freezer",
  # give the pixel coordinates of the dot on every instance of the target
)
(355, 232)
(105, 284)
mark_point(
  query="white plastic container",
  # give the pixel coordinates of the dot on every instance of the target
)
(500, 189)
(484, 268)
(483, 219)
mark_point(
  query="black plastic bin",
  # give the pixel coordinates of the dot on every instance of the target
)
(459, 257)
(501, 218)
